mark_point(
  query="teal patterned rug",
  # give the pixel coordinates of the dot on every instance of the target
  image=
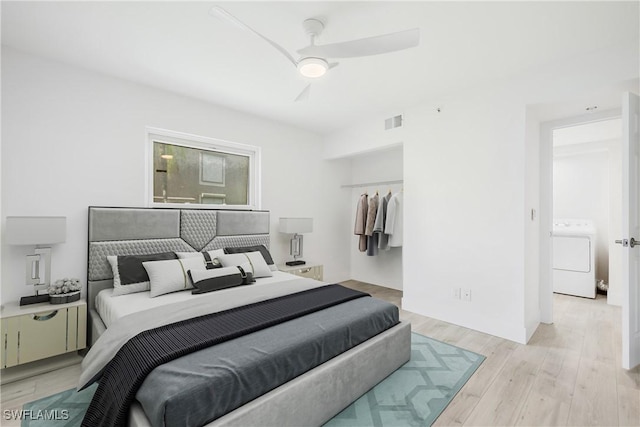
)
(418, 392)
(64, 409)
(414, 395)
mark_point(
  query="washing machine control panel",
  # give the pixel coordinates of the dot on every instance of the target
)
(573, 226)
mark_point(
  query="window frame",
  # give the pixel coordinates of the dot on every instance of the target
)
(203, 143)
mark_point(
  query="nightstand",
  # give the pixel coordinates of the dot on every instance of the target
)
(38, 331)
(310, 270)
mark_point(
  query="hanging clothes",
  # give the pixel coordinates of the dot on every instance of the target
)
(393, 224)
(372, 238)
(361, 221)
(371, 214)
(378, 227)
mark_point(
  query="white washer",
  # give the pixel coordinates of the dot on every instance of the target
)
(574, 267)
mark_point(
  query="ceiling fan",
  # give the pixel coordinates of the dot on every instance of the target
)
(313, 62)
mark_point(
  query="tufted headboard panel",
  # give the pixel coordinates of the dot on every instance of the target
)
(138, 231)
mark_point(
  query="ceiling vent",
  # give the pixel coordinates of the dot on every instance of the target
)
(393, 122)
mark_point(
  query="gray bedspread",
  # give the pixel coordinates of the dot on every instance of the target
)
(127, 327)
(202, 386)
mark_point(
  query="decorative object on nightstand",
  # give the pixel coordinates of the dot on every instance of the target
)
(64, 291)
(296, 226)
(41, 231)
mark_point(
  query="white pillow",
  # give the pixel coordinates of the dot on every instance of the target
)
(259, 266)
(262, 248)
(171, 276)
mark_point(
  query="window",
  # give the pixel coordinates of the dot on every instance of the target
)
(189, 169)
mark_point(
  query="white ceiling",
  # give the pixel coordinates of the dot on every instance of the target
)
(179, 47)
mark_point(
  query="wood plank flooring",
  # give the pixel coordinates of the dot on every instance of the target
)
(568, 374)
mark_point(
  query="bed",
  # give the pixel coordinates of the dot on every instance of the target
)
(308, 397)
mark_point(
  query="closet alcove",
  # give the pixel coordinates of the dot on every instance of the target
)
(380, 171)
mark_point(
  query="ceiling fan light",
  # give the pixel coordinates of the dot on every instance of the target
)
(313, 67)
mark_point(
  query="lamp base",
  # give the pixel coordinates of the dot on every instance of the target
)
(34, 299)
(296, 262)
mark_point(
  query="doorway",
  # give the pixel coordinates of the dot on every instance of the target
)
(581, 147)
(629, 218)
(587, 203)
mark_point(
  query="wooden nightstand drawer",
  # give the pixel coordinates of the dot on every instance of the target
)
(312, 271)
(40, 335)
(43, 331)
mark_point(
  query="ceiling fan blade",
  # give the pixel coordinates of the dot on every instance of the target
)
(222, 13)
(365, 47)
(304, 95)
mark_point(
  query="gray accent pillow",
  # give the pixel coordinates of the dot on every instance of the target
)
(129, 275)
(220, 278)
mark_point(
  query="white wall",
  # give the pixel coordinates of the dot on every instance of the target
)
(72, 138)
(581, 189)
(367, 136)
(385, 268)
(470, 185)
(463, 176)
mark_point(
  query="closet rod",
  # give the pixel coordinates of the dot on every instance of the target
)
(371, 184)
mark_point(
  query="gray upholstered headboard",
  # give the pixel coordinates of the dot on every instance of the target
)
(137, 231)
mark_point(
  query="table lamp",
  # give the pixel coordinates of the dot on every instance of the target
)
(41, 231)
(296, 226)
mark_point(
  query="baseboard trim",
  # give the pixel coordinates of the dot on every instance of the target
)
(614, 298)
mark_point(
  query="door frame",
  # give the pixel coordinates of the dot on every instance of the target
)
(630, 229)
(546, 200)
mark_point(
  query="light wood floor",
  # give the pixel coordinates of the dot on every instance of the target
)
(567, 375)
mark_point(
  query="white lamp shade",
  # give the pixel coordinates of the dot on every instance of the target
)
(36, 230)
(296, 225)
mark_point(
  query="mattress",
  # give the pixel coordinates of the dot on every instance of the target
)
(204, 385)
(111, 309)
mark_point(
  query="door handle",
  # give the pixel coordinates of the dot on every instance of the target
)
(631, 242)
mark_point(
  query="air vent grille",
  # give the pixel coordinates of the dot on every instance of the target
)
(393, 122)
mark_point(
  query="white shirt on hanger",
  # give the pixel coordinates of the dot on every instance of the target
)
(393, 225)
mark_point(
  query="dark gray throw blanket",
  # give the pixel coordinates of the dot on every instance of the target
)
(124, 375)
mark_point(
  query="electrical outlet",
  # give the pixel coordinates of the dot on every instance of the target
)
(466, 295)
(456, 293)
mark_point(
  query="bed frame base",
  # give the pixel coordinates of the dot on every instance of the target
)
(316, 396)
